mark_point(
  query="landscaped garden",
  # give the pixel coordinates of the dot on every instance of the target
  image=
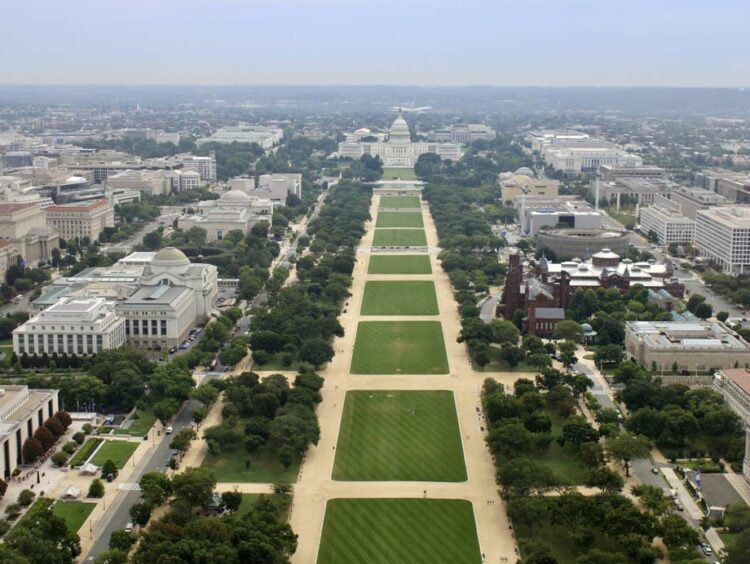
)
(74, 513)
(399, 435)
(390, 173)
(141, 424)
(84, 452)
(399, 238)
(399, 298)
(399, 219)
(399, 531)
(400, 202)
(399, 347)
(118, 452)
(264, 466)
(399, 264)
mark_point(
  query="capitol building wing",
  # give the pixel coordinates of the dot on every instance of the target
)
(397, 150)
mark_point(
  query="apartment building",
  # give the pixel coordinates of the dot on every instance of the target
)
(722, 235)
(81, 219)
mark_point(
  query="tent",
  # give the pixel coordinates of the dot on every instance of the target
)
(71, 492)
(89, 468)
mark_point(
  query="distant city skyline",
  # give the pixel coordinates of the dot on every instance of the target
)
(413, 42)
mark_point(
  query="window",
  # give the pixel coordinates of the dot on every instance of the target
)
(144, 326)
(163, 326)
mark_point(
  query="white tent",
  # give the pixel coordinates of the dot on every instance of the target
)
(89, 468)
(71, 492)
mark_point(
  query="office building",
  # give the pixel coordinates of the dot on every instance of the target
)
(398, 150)
(204, 166)
(690, 345)
(22, 412)
(523, 182)
(734, 186)
(24, 227)
(664, 218)
(147, 182)
(462, 133)
(71, 326)
(81, 219)
(265, 136)
(243, 184)
(722, 235)
(538, 212)
(734, 386)
(574, 152)
(277, 187)
(691, 199)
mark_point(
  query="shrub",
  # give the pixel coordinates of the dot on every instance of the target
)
(109, 467)
(12, 511)
(96, 488)
(70, 447)
(3, 488)
(32, 450)
(4, 527)
(59, 459)
(26, 497)
(87, 428)
(55, 427)
(79, 437)
(64, 418)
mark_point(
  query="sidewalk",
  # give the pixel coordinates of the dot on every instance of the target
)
(683, 495)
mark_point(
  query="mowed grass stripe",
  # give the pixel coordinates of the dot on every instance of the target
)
(399, 347)
(400, 202)
(400, 436)
(400, 298)
(399, 531)
(399, 264)
(399, 219)
(399, 238)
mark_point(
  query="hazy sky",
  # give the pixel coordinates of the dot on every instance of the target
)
(414, 42)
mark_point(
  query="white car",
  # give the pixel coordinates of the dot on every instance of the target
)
(129, 527)
(169, 430)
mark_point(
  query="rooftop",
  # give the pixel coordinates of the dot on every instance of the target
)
(684, 336)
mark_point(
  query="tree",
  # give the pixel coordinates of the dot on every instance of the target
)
(96, 488)
(45, 437)
(608, 355)
(504, 332)
(55, 427)
(739, 553)
(64, 418)
(195, 485)
(44, 539)
(25, 498)
(181, 440)
(528, 511)
(155, 488)
(32, 449)
(737, 517)
(626, 447)
(511, 354)
(577, 430)
(113, 555)
(676, 532)
(59, 459)
(141, 513)
(231, 500)
(694, 301)
(316, 352)
(722, 316)
(109, 468)
(121, 540)
(703, 310)
(604, 478)
(166, 409)
(567, 354)
(568, 330)
(522, 477)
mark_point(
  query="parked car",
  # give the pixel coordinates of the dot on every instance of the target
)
(706, 548)
(129, 527)
(169, 430)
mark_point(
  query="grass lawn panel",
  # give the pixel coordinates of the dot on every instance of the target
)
(399, 435)
(399, 347)
(400, 202)
(399, 238)
(140, 425)
(399, 219)
(118, 452)
(399, 298)
(248, 500)
(399, 264)
(264, 466)
(74, 513)
(84, 452)
(390, 173)
(399, 531)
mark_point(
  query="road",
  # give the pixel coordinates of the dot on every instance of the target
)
(118, 513)
(168, 215)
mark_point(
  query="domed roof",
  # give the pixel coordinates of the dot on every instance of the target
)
(586, 328)
(170, 256)
(399, 132)
(363, 131)
(235, 196)
(525, 171)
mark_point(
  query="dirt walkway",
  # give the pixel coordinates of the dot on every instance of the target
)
(315, 486)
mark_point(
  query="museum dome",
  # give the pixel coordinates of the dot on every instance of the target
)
(399, 132)
(235, 197)
(168, 258)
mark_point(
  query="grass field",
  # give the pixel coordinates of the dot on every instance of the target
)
(399, 435)
(402, 173)
(399, 297)
(141, 425)
(84, 452)
(399, 347)
(264, 467)
(399, 238)
(729, 539)
(399, 531)
(400, 202)
(399, 219)
(399, 264)
(74, 513)
(118, 452)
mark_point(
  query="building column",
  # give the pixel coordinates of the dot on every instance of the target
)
(746, 461)
(618, 201)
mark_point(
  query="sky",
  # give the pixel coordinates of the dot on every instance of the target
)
(357, 42)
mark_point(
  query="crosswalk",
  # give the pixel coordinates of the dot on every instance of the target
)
(130, 486)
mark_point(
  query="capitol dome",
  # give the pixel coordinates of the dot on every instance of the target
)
(169, 258)
(235, 197)
(399, 132)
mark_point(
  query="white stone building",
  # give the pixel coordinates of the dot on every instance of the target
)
(22, 412)
(265, 136)
(71, 326)
(233, 211)
(734, 385)
(574, 152)
(722, 235)
(81, 219)
(277, 187)
(398, 151)
(664, 218)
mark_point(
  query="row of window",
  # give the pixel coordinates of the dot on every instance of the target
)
(35, 344)
(141, 327)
